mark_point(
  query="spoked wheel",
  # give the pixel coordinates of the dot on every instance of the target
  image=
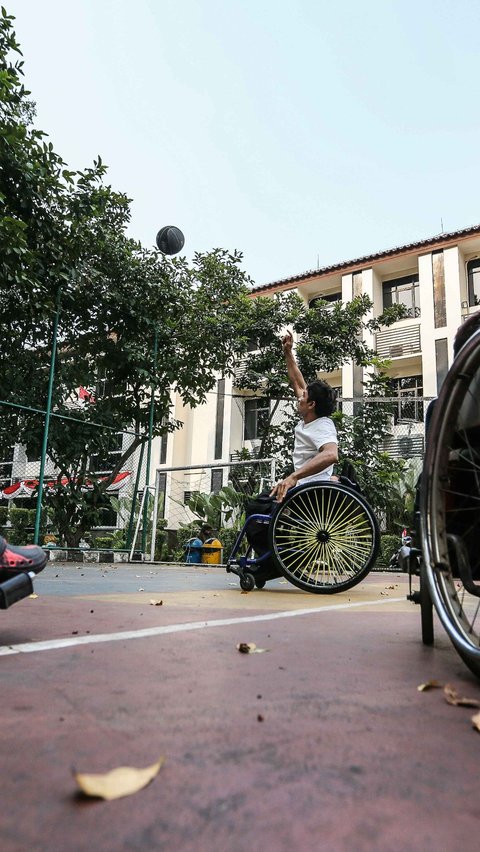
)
(324, 537)
(450, 505)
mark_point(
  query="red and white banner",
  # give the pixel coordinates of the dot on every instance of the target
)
(26, 487)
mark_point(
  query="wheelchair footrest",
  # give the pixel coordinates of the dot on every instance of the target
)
(14, 589)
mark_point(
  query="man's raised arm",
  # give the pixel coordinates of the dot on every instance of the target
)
(294, 375)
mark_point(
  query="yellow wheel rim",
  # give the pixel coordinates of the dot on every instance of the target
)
(323, 536)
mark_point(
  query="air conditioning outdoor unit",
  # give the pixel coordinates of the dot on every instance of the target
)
(396, 350)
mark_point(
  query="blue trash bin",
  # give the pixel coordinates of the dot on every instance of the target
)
(193, 551)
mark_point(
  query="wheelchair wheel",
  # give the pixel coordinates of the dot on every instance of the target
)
(450, 503)
(247, 582)
(324, 537)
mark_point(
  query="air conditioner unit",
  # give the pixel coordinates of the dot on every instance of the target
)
(396, 350)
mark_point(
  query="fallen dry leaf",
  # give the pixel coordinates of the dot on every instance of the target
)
(452, 697)
(250, 648)
(430, 684)
(117, 783)
(246, 647)
(156, 603)
(33, 596)
(476, 721)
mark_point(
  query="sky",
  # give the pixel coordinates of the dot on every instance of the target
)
(301, 134)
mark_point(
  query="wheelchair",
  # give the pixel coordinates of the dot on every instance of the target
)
(323, 538)
(447, 558)
(18, 567)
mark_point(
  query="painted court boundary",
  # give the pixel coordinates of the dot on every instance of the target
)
(148, 632)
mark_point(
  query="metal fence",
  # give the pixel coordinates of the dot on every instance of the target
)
(112, 518)
(140, 510)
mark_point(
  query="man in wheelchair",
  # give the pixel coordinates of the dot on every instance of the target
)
(314, 454)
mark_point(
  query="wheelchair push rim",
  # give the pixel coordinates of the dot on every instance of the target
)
(324, 537)
(451, 449)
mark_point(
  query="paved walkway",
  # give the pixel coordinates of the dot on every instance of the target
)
(322, 742)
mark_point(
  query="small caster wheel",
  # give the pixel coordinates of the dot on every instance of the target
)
(260, 584)
(247, 582)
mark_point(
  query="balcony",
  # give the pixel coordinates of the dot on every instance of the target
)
(398, 342)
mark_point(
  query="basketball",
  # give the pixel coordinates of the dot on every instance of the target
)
(170, 240)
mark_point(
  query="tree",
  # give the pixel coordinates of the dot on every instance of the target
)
(133, 324)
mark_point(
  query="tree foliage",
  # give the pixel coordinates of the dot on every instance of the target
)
(132, 322)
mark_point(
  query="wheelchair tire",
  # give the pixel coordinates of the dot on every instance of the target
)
(449, 501)
(247, 582)
(324, 537)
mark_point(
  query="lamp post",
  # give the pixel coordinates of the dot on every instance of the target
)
(169, 240)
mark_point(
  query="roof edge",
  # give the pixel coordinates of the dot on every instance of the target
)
(438, 239)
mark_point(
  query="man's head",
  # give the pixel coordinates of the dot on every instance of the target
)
(318, 399)
(465, 331)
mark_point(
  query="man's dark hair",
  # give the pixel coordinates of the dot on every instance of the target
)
(465, 331)
(323, 396)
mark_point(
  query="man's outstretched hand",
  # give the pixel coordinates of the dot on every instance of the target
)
(287, 343)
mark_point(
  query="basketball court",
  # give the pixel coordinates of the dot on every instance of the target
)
(321, 740)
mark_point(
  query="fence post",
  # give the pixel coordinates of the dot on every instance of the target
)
(38, 510)
(134, 498)
(149, 448)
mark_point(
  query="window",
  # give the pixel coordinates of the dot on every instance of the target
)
(409, 391)
(105, 461)
(258, 342)
(473, 274)
(403, 291)
(256, 418)
(6, 465)
(338, 396)
(217, 480)
(328, 297)
(218, 450)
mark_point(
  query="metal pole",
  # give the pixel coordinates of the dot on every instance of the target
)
(38, 512)
(134, 498)
(155, 516)
(149, 447)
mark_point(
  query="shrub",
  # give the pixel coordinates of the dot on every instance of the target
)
(389, 544)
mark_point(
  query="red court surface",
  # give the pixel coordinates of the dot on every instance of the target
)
(321, 742)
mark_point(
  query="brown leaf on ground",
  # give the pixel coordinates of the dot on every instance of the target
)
(452, 697)
(476, 721)
(246, 647)
(430, 684)
(123, 781)
(250, 648)
(153, 602)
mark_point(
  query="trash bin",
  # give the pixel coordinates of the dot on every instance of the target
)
(193, 551)
(212, 552)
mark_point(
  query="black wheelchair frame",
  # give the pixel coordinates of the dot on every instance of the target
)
(323, 538)
(445, 555)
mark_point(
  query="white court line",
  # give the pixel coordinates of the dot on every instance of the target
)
(145, 633)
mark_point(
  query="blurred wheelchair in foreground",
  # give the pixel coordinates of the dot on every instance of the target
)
(447, 525)
(18, 567)
(323, 538)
